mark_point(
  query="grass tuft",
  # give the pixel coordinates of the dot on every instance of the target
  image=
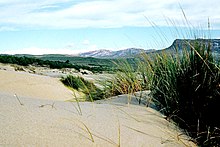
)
(126, 81)
(185, 87)
(88, 88)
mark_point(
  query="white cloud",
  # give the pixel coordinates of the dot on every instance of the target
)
(69, 48)
(86, 45)
(103, 13)
(5, 28)
(70, 45)
(40, 51)
(86, 42)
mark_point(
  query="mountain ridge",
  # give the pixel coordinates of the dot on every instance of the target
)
(103, 53)
(177, 45)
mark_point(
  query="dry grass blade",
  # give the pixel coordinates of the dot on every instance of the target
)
(85, 128)
(119, 134)
(52, 105)
(77, 101)
(128, 114)
(141, 132)
(18, 100)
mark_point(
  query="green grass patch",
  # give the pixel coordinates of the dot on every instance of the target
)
(80, 84)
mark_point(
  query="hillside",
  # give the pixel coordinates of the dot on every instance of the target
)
(125, 53)
(179, 44)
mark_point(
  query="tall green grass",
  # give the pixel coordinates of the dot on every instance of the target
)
(126, 80)
(186, 88)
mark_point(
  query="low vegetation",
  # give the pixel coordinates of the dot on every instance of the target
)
(91, 91)
(127, 80)
(92, 64)
(54, 64)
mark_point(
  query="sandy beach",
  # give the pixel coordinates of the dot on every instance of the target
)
(34, 112)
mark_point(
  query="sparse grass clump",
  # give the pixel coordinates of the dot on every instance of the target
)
(186, 88)
(125, 81)
(88, 88)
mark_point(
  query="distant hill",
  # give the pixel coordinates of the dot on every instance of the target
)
(126, 53)
(97, 53)
(179, 44)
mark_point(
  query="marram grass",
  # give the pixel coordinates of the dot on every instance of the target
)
(126, 80)
(91, 91)
(186, 88)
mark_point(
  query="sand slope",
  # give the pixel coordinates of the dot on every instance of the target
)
(44, 120)
(30, 85)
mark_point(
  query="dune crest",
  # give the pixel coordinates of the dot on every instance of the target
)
(34, 86)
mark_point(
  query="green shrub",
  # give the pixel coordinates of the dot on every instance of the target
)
(73, 82)
(186, 88)
(91, 91)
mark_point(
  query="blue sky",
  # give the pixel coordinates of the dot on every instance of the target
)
(73, 26)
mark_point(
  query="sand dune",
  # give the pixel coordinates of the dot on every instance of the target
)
(31, 85)
(45, 119)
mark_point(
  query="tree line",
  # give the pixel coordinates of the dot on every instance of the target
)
(25, 61)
